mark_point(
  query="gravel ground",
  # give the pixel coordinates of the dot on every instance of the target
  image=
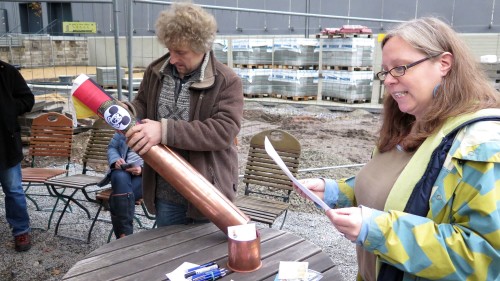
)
(327, 139)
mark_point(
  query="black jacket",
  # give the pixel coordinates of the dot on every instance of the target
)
(16, 99)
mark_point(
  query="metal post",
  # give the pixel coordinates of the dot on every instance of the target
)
(308, 10)
(10, 50)
(129, 52)
(117, 50)
(320, 71)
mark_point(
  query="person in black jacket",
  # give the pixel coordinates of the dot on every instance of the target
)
(16, 99)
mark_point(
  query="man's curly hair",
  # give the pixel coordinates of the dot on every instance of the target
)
(186, 24)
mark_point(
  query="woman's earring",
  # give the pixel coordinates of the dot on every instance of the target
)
(434, 92)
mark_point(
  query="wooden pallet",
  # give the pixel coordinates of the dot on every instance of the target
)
(348, 68)
(254, 95)
(296, 67)
(109, 87)
(344, 35)
(299, 98)
(349, 101)
(254, 66)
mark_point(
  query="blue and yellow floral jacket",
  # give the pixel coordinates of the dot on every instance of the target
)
(459, 239)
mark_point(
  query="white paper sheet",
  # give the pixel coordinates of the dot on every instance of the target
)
(178, 273)
(244, 232)
(274, 155)
(293, 270)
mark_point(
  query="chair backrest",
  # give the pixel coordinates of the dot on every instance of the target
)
(51, 135)
(97, 145)
(262, 171)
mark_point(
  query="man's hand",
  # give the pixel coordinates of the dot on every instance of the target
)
(143, 136)
(122, 104)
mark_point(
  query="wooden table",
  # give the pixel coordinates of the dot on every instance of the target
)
(149, 255)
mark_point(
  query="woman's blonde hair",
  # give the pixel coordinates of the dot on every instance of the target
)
(186, 24)
(464, 89)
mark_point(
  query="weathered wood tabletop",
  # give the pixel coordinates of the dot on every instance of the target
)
(150, 254)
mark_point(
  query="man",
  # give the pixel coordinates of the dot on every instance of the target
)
(192, 103)
(16, 99)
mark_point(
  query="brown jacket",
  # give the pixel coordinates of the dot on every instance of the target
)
(216, 111)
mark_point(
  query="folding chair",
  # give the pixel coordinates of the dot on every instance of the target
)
(51, 136)
(95, 154)
(267, 188)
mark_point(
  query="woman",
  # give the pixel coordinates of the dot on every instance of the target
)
(125, 175)
(427, 205)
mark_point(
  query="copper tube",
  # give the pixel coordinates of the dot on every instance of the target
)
(194, 187)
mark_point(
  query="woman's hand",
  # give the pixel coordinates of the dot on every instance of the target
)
(347, 221)
(317, 186)
(143, 136)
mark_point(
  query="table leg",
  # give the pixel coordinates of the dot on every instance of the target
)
(70, 198)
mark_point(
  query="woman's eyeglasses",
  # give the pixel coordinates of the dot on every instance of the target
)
(399, 71)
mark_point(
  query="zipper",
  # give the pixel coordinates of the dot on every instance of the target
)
(214, 178)
(198, 107)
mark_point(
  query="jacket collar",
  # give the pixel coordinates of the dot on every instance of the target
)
(411, 174)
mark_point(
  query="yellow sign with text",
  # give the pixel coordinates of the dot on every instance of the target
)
(79, 27)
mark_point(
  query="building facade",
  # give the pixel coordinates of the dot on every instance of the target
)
(247, 17)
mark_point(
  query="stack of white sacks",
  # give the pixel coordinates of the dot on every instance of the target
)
(491, 67)
(348, 86)
(255, 81)
(351, 62)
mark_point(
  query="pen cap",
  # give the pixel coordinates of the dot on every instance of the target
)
(244, 256)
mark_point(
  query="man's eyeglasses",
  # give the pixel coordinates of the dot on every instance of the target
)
(399, 71)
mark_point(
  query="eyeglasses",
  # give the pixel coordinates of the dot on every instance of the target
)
(399, 71)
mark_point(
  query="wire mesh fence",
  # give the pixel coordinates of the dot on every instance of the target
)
(53, 43)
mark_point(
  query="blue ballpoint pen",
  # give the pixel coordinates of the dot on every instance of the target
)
(209, 275)
(210, 278)
(201, 270)
(201, 266)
